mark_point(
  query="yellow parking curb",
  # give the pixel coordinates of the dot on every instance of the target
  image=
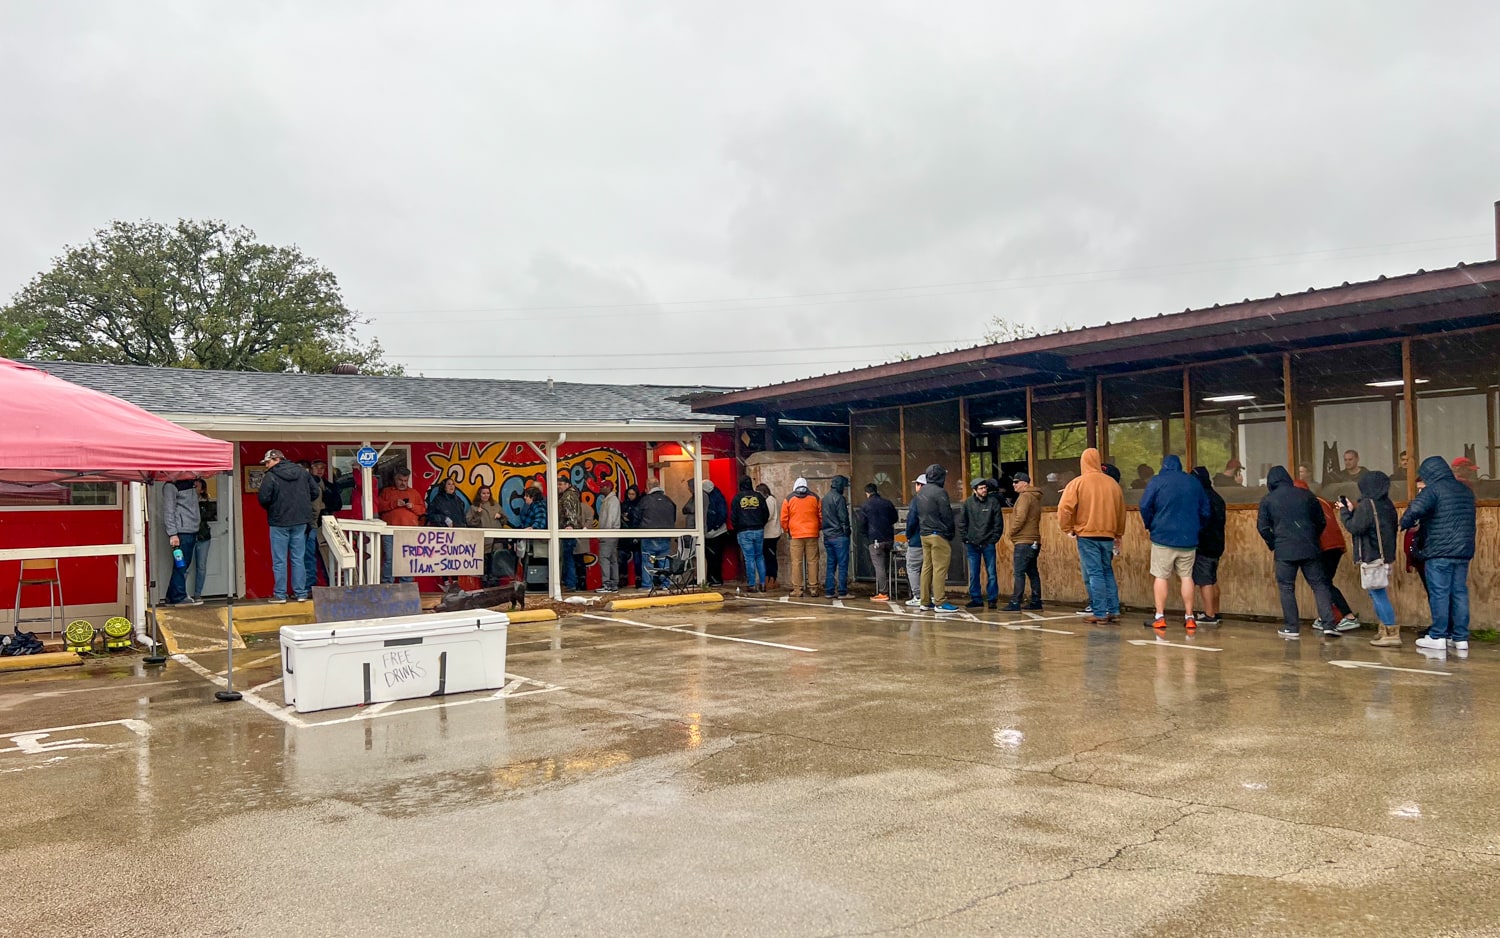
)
(50, 659)
(657, 602)
(531, 615)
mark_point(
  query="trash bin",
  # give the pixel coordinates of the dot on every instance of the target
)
(345, 664)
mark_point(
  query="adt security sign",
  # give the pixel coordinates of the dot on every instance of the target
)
(367, 457)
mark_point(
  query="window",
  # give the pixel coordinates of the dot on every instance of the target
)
(341, 461)
(1059, 430)
(1239, 423)
(1143, 423)
(1346, 415)
(997, 435)
(876, 452)
(60, 495)
(1455, 383)
(933, 436)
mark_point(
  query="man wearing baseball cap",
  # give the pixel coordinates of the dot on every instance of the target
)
(287, 492)
(914, 546)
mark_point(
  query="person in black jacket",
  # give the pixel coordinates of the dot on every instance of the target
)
(1445, 509)
(286, 493)
(749, 514)
(630, 547)
(1290, 521)
(836, 532)
(446, 508)
(879, 518)
(1210, 550)
(980, 522)
(1372, 527)
(935, 524)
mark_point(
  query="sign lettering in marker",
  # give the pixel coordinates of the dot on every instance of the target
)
(442, 552)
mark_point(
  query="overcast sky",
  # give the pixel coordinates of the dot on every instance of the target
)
(736, 193)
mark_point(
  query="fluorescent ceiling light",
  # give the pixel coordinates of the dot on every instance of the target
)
(1229, 398)
(1393, 383)
(1004, 422)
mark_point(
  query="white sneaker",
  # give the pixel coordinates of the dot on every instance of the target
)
(1457, 646)
(914, 602)
(1433, 644)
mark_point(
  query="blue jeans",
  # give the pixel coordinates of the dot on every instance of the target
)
(752, 548)
(312, 559)
(655, 550)
(1384, 611)
(1448, 598)
(292, 540)
(1096, 557)
(177, 586)
(983, 554)
(836, 549)
(387, 545)
(200, 565)
(569, 566)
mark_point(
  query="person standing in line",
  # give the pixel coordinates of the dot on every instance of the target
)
(914, 546)
(1331, 550)
(879, 518)
(630, 548)
(1372, 527)
(208, 513)
(1445, 509)
(802, 519)
(447, 508)
(1210, 550)
(181, 519)
(330, 501)
(656, 512)
(770, 535)
(749, 515)
(286, 493)
(1025, 534)
(1174, 510)
(715, 527)
(1291, 521)
(1092, 512)
(836, 533)
(398, 507)
(980, 522)
(569, 518)
(607, 513)
(935, 525)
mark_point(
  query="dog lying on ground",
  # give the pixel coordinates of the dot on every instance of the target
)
(455, 598)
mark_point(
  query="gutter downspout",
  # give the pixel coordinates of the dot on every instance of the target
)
(554, 565)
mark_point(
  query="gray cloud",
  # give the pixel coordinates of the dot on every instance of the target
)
(466, 168)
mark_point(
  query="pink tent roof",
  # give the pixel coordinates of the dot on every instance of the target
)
(57, 431)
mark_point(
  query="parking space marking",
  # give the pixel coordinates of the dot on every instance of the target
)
(696, 633)
(39, 742)
(89, 690)
(1163, 643)
(252, 664)
(1385, 667)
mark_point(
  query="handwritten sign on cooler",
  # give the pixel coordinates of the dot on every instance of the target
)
(437, 552)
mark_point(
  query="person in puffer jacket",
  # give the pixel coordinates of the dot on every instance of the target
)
(980, 521)
(836, 534)
(1445, 510)
(935, 523)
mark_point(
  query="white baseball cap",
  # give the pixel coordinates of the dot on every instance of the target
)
(922, 479)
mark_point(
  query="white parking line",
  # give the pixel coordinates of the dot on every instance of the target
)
(251, 664)
(696, 633)
(1162, 643)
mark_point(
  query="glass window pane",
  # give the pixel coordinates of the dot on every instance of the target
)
(1455, 385)
(59, 495)
(1060, 434)
(1143, 416)
(876, 453)
(997, 436)
(1346, 415)
(1239, 424)
(933, 436)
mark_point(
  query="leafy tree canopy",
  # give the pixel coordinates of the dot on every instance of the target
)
(198, 294)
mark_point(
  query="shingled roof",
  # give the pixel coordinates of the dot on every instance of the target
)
(178, 392)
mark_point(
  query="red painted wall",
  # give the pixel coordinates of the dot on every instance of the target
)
(85, 580)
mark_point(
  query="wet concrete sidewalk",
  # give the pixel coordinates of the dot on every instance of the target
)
(776, 768)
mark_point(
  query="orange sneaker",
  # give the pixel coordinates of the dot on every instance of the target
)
(1190, 623)
(880, 598)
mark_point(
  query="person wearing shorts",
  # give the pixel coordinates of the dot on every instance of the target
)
(1174, 509)
(1210, 549)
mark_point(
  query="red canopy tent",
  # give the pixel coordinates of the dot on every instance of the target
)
(59, 432)
(55, 431)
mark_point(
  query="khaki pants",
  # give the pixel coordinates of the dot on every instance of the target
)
(807, 550)
(936, 555)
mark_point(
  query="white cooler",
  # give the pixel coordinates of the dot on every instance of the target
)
(344, 664)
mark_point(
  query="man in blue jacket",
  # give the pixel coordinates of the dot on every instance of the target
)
(1445, 509)
(1174, 509)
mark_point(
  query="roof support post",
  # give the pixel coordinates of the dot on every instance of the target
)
(138, 559)
(700, 510)
(1091, 411)
(554, 559)
(1408, 388)
(367, 488)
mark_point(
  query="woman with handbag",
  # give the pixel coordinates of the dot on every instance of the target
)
(1372, 526)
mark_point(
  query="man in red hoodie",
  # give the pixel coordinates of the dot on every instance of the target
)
(1332, 547)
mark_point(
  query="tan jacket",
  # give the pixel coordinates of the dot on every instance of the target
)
(1092, 505)
(1025, 525)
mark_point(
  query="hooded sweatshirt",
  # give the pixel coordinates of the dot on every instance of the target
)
(981, 521)
(934, 510)
(286, 493)
(1092, 505)
(1372, 523)
(1445, 509)
(749, 511)
(836, 509)
(802, 512)
(1332, 538)
(1174, 507)
(179, 513)
(1290, 520)
(1211, 538)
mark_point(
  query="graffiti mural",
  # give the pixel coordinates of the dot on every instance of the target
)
(508, 468)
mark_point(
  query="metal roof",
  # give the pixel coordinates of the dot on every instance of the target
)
(1422, 302)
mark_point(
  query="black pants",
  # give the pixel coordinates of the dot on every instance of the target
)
(1023, 568)
(1330, 560)
(713, 554)
(1286, 582)
(769, 550)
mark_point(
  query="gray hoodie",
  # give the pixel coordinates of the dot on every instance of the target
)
(836, 509)
(179, 508)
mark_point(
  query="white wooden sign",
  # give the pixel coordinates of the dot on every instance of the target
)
(441, 552)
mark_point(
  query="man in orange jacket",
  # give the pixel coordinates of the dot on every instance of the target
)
(802, 519)
(1092, 512)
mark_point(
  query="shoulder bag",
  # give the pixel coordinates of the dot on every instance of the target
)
(1375, 574)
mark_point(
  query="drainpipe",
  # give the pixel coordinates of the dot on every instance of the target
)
(554, 566)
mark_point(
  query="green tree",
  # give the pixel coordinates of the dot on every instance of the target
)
(198, 294)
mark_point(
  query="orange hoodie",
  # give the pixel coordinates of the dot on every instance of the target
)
(1092, 505)
(1333, 535)
(802, 515)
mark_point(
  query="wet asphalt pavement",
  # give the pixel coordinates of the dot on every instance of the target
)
(846, 771)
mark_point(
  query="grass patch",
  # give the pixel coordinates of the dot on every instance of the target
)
(1485, 635)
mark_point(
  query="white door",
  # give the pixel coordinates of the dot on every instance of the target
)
(218, 560)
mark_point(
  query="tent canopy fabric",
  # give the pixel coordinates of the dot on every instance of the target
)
(55, 431)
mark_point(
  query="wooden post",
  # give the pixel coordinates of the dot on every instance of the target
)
(554, 560)
(901, 434)
(963, 441)
(1286, 391)
(772, 423)
(1101, 407)
(1489, 424)
(1188, 436)
(1413, 457)
(1091, 411)
(1030, 440)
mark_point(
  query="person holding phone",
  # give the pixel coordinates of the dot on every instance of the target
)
(399, 507)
